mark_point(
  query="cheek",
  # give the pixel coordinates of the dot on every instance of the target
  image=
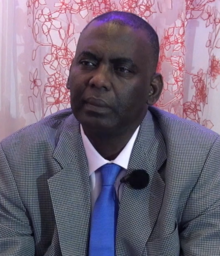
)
(76, 85)
(133, 96)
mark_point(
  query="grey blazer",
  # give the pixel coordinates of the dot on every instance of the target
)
(45, 193)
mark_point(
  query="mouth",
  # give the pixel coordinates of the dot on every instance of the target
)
(96, 106)
(96, 102)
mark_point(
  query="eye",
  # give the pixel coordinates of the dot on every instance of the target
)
(123, 70)
(88, 63)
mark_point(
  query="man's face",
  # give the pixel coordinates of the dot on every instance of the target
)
(110, 78)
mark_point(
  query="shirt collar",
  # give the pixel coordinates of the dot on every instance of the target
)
(95, 160)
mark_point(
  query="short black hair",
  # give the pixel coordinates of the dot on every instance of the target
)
(134, 21)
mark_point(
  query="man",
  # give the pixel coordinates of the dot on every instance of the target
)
(50, 177)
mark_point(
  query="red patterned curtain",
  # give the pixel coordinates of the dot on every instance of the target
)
(39, 40)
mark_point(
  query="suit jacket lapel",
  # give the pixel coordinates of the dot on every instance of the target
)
(139, 208)
(70, 191)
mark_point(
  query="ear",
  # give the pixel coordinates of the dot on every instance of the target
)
(68, 80)
(68, 83)
(155, 89)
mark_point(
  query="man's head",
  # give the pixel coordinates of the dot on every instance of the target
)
(135, 22)
(112, 77)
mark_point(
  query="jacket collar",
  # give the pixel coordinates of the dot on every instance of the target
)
(139, 209)
(70, 191)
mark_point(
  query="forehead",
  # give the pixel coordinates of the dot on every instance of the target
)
(114, 39)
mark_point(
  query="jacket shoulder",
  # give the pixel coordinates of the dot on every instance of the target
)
(182, 130)
(43, 131)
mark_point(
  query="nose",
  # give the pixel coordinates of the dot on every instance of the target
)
(101, 78)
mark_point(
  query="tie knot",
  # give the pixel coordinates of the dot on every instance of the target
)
(109, 174)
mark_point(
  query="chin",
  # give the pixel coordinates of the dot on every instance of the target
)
(99, 126)
(97, 121)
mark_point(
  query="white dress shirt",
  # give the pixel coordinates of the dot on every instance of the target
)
(95, 161)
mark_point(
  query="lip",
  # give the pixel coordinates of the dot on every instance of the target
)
(96, 102)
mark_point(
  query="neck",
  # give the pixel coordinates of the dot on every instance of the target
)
(108, 145)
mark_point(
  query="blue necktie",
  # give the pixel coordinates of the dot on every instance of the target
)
(104, 217)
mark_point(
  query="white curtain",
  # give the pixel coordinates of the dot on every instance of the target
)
(38, 41)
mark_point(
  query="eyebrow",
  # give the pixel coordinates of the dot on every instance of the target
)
(119, 60)
(88, 55)
(122, 60)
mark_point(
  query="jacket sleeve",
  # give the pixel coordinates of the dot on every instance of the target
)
(16, 236)
(200, 233)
